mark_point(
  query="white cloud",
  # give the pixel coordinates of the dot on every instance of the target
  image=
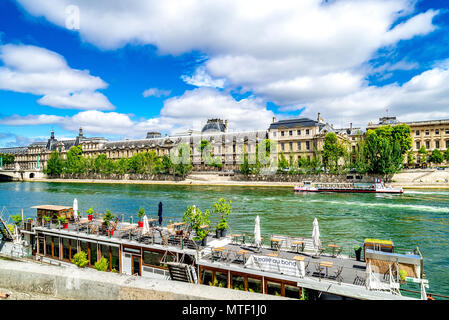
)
(189, 111)
(35, 70)
(155, 92)
(202, 79)
(291, 52)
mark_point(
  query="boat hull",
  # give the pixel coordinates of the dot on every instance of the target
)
(396, 191)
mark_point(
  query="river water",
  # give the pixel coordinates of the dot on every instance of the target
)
(416, 218)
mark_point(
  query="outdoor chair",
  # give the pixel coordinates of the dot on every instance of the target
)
(306, 267)
(337, 252)
(337, 275)
(93, 228)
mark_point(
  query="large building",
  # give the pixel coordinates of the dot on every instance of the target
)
(303, 137)
(294, 137)
(432, 134)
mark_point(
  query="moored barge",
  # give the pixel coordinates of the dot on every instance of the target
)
(286, 266)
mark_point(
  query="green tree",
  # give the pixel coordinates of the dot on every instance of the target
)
(7, 158)
(283, 162)
(446, 155)
(383, 154)
(182, 163)
(422, 153)
(74, 164)
(411, 159)
(55, 164)
(437, 156)
(333, 150)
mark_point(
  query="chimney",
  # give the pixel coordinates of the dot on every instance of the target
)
(226, 125)
(274, 119)
(81, 132)
(52, 135)
(350, 126)
(319, 119)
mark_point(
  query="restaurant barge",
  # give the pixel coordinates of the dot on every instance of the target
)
(285, 266)
(377, 187)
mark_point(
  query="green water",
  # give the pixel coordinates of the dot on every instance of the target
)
(416, 218)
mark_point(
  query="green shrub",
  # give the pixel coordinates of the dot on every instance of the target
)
(17, 218)
(403, 274)
(80, 259)
(102, 264)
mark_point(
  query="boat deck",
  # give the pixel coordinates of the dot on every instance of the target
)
(353, 271)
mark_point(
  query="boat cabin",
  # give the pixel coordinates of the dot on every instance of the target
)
(54, 212)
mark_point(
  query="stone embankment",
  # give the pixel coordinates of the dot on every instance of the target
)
(32, 280)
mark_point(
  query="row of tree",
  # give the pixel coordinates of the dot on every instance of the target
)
(7, 158)
(424, 156)
(140, 163)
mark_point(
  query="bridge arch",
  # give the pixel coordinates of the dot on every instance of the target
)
(5, 177)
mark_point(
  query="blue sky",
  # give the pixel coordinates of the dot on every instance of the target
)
(243, 61)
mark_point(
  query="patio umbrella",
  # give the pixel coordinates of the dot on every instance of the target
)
(75, 208)
(146, 226)
(257, 238)
(159, 213)
(316, 235)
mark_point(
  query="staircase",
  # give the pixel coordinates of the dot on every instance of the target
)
(4, 227)
(207, 176)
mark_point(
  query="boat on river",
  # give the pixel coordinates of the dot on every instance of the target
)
(282, 265)
(377, 187)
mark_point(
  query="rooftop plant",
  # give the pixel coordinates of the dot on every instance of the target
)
(90, 211)
(108, 217)
(46, 218)
(222, 208)
(141, 213)
(17, 218)
(62, 219)
(196, 218)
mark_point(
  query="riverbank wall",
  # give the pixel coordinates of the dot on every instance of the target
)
(69, 283)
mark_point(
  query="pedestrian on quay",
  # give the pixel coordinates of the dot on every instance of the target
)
(159, 213)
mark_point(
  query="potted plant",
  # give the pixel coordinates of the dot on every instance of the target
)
(358, 252)
(107, 218)
(47, 221)
(90, 214)
(17, 219)
(402, 275)
(63, 221)
(27, 224)
(197, 219)
(222, 208)
(140, 214)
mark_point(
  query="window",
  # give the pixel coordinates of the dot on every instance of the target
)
(447, 144)
(154, 259)
(290, 133)
(417, 132)
(437, 144)
(299, 145)
(237, 282)
(206, 277)
(254, 285)
(427, 132)
(427, 145)
(307, 131)
(418, 145)
(291, 146)
(93, 253)
(292, 291)
(65, 249)
(40, 245)
(115, 259)
(274, 288)
(437, 131)
(48, 246)
(85, 247)
(282, 146)
(282, 133)
(73, 248)
(298, 132)
(221, 279)
(274, 134)
(447, 131)
(308, 145)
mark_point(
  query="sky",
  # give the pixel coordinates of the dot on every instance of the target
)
(119, 69)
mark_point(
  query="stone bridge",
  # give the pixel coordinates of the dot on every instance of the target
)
(20, 175)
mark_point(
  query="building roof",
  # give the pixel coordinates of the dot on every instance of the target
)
(14, 150)
(51, 207)
(292, 123)
(214, 125)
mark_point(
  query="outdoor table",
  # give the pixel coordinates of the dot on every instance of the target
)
(235, 237)
(327, 265)
(298, 258)
(298, 243)
(219, 250)
(177, 225)
(333, 246)
(273, 254)
(275, 243)
(242, 253)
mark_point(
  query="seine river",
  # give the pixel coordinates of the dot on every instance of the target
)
(416, 218)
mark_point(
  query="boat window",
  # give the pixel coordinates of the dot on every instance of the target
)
(48, 251)
(115, 259)
(84, 247)
(274, 288)
(56, 247)
(292, 291)
(254, 285)
(155, 259)
(40, 246)
(73, 248)
(206, 277)
(66, 249)
(222, 279)
(238, 282)
(93, 253)
(106, 254)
